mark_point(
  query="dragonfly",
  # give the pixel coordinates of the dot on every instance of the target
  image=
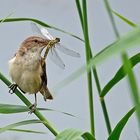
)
(53, 45)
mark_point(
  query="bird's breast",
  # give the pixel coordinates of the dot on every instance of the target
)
(26, 74)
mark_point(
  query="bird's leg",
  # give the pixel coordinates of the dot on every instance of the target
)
(12, 88)
(45, 97)
(33, 106)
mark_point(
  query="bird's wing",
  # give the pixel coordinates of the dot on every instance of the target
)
(44, 89)
(43, 75)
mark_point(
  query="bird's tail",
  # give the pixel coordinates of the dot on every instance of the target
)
(46, 93)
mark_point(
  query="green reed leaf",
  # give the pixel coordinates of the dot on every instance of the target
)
(125, 19)
(120, 74)
(40, 23)
(26, 131)
(11, 109)
(73, 134)
(115, 135)
(21, 123)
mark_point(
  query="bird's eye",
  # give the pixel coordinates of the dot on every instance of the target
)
(35, 41)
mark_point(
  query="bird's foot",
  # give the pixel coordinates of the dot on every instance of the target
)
(12, 87)
(45, 98)
(32, 108)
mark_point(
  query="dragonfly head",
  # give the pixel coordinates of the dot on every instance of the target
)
(53, 42)
(57, 39)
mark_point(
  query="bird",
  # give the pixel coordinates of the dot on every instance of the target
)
(28, 69)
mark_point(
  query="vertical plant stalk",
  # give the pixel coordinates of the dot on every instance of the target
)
(102, 101)
(133, 84)
(108, 8)
(127, 65)
(103, 104)
(89, 75)
(27, 103)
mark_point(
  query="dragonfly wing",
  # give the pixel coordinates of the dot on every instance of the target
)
(36, 29)
(55, 58)
(41, 30)
(67, 51)
(45, 32)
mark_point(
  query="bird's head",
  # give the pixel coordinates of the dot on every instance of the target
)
(33, 44)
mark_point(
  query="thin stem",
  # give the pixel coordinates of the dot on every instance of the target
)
(102, 101)
(80, 12)
(89, 75)
(27, 103)
(108, 8)
(127, 64)
(103, 104)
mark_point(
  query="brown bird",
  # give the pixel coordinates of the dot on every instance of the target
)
(28, 69)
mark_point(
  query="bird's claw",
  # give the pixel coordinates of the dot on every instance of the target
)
(12, 88)
(32, 108)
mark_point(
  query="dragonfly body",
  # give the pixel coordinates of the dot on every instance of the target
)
(50, 45)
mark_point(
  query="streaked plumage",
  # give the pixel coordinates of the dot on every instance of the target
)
(28, 69)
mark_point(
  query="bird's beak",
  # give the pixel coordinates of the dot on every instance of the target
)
(46, 41)
(44, 44)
